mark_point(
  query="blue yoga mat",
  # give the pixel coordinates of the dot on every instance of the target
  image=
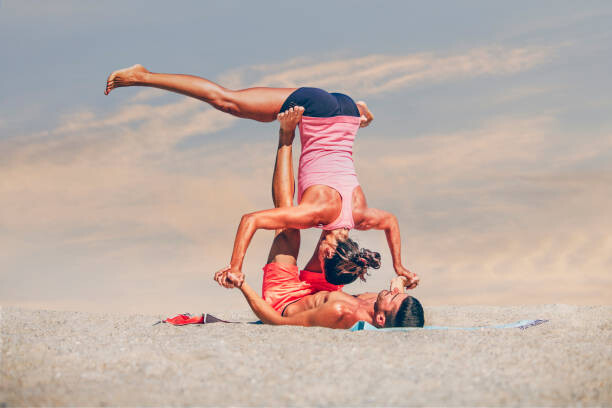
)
(521, 324)
(361, 325)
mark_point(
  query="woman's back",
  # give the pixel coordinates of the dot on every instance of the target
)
(327, 131)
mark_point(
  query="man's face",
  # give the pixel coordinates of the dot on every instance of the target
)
(388, 302)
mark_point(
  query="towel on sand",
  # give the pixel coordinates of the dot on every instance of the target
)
(521, 324)
(188, 318)
(205, 318)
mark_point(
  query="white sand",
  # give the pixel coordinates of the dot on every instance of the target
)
(67, 358)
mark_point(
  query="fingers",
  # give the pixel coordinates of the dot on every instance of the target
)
(366, 116)
(410, 280)
(414, 282)
(220, 271)
(364, 121)
(236, 279)
(226, 282)
(293, 114)
(222, 279)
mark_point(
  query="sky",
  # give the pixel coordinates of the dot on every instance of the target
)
(492, 145)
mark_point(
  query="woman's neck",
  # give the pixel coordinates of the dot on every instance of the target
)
(340, 234)
(314, 264)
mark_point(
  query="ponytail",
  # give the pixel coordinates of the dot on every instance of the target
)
(349, 263)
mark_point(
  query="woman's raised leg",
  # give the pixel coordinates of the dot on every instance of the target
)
(261, 104)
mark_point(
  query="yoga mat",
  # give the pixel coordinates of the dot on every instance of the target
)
(205, 318)
(521, 324)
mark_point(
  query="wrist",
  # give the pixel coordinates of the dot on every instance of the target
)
(142, 78)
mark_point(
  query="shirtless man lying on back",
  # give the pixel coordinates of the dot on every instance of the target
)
(289, 300)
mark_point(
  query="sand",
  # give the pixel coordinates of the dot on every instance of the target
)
(56, 358)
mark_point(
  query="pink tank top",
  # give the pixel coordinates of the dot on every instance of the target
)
(327, 159)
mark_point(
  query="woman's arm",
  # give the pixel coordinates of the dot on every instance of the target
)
(374, 218)
(298, 217)
(330, 315)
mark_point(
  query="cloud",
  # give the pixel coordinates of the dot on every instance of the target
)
(494, 211)
(139, 128)
(130, 133)
(377, 74)
(523, 92)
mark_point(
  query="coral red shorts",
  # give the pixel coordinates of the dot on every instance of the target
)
(318, 282)
(282, 285)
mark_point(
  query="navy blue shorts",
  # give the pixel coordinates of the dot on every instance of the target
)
(321, 104)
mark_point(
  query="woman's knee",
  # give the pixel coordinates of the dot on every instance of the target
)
(225, 102)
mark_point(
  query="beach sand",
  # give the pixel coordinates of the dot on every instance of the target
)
(54, 358)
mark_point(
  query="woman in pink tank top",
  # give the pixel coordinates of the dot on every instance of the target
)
(329, 195)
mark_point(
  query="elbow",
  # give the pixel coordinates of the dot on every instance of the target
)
(390, 222)
(318, 216)
(273, 319)
(271, 322)
(248, 221)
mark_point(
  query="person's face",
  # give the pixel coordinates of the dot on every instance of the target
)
(386, 305)
(327, 248)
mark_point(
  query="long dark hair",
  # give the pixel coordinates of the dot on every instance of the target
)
(409, 314)
(349, 263)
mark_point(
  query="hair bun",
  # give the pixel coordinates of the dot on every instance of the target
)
(371, 258)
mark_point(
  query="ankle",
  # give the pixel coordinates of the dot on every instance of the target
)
(141, 78)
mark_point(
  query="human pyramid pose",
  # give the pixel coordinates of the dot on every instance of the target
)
(329, 197)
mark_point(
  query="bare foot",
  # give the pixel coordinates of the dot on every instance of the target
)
(366, 115)
(124, 77)
(290, 118)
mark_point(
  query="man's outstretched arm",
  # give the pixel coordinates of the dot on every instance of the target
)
(334, 315)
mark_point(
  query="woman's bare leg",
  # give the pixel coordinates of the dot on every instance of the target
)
(261, 104)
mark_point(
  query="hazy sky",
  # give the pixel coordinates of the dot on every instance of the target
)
(492, 144)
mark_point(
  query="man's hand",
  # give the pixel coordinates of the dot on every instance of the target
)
(398, 283)
(412, 279)
(366, 116)
(288, 121)
(229, 277)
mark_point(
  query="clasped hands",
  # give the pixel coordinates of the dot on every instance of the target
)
(404, 279)
(229, 277)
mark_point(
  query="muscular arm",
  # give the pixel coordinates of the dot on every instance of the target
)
(374, 218)
(300, 217)
(333, 315)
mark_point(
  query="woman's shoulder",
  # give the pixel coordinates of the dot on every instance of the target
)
(359, 205)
